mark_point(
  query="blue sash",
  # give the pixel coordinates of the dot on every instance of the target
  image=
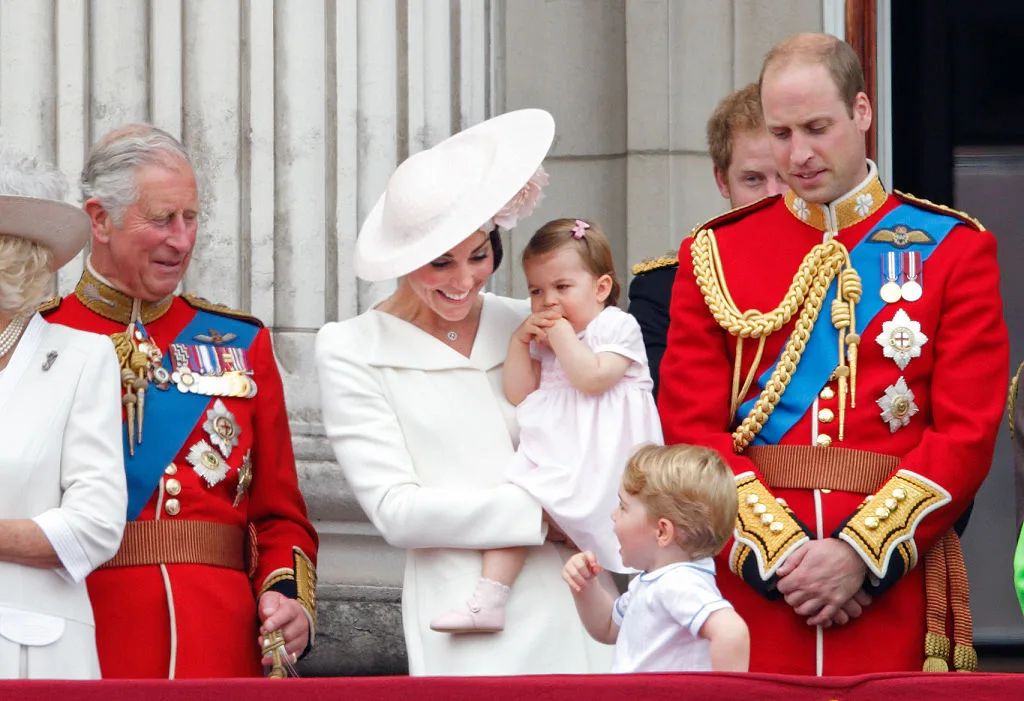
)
(172, 415)
(819, 358)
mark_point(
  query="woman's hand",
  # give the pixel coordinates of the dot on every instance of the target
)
(556, 534)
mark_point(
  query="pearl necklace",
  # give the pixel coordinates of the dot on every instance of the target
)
(10, 335)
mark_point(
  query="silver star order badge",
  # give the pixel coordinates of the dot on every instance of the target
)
(901, 339)
(222, 428)
(897, 405)
(207, 462)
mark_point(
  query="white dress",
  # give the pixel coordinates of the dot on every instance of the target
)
(573, 446)
(660, 617)
(62, 465)
(423, 435)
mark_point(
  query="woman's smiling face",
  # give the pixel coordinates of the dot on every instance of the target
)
(449, 284)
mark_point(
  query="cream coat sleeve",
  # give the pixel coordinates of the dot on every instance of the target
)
(368, 443)
(85, 530)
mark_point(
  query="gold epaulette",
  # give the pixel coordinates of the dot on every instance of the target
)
(49, 306)
(1011, 400)
(207, 306)
(649, 264)
(940, 209)
(735, 214)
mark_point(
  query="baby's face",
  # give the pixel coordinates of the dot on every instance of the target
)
(559, 281)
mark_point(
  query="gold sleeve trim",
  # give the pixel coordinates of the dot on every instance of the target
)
(649, 264)
(275, 577)
(886, 523)
(305, 581)
(765, 526)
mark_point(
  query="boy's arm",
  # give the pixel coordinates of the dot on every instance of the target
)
(595, 594)
(729, 641)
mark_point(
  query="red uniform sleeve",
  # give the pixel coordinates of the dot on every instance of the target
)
(283, 543)
(937, 479)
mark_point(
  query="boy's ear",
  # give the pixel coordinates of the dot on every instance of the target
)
(666, 532)
(604, 287)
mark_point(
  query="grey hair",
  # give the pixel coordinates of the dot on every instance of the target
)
(109, 172)
(24, 176)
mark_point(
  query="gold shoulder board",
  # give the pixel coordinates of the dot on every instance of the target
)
(49, 306)
(208, 306)
(735, 214)
(940, 209)
(649, 264)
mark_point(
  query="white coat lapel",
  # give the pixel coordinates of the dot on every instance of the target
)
(22, 358)
(399, 344)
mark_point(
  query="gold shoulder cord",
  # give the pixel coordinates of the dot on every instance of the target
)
(807, 294)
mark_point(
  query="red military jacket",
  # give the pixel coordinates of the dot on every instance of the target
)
(231, 470)
(930, 378)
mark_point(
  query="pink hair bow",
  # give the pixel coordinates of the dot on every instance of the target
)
(580, 228)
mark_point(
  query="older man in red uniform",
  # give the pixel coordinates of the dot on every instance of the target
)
(218, 551)
(845, 348)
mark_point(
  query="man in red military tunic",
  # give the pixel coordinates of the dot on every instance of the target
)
(845, 348)
(218, 552)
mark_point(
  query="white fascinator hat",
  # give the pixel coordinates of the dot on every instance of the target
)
(486, 175)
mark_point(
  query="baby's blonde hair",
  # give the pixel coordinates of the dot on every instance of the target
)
(690, 486)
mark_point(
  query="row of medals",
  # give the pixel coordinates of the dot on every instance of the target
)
(229, 384)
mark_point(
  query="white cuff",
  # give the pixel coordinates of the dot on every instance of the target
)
(65, 544)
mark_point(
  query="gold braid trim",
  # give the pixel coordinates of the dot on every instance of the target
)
(806, 294)
(765, 526)
(649, 264)
(1011, 400)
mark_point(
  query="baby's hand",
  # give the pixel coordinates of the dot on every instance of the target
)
(560, 327)
(535, 327)
(580, 569)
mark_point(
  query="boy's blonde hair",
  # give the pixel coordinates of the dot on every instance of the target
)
(690, 486)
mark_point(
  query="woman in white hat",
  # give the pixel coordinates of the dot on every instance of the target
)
(414, 407)
(63, 502)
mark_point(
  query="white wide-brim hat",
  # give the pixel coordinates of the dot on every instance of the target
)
(438, 197)
(58, 226)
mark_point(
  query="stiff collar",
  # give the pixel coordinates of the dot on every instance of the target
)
(852, 208)
(101, 297)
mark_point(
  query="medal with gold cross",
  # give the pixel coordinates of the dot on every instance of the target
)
(222, 428)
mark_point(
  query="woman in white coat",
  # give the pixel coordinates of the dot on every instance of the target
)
(414, 407)
(63, 502)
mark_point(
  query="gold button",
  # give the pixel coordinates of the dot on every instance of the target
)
(882, 512)
(871, 522)
(826, 416)
(171, 469)
(900, 494)
(173, 487)
(766, 519)
(825, 491)
(776, 527)
(172, 507)
(760, 508)
(827, 393)
(752, 499)
(890, 504)
(780, 501)
(823, 440)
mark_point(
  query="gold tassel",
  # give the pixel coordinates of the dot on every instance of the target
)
(936, 651)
